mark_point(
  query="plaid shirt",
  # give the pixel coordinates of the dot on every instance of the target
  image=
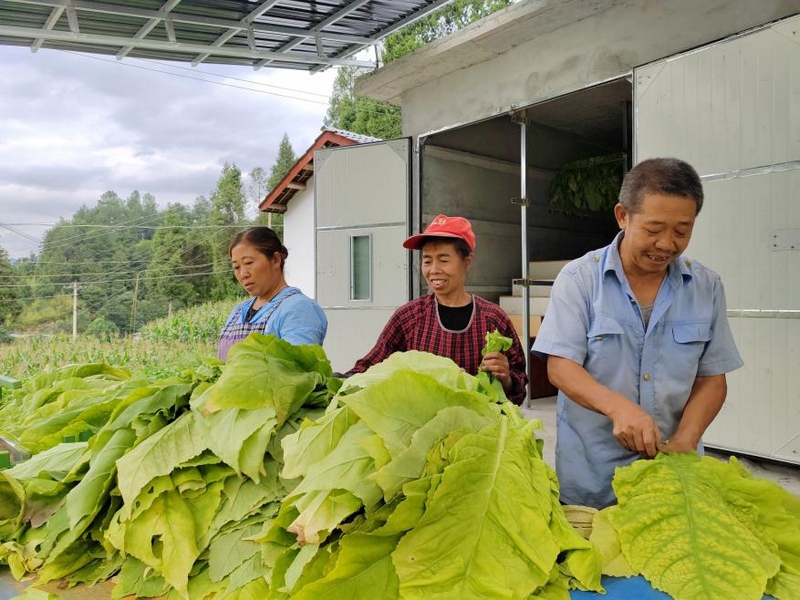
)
(416, 326)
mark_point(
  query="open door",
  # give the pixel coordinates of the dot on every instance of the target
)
(732, 110)
(362, 206)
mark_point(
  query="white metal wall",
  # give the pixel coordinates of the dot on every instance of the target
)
(361, 190)
(298, 228)
(732, 110)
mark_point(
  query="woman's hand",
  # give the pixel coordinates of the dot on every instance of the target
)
(496, 364)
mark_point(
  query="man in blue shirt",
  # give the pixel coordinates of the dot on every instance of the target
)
(636, 338)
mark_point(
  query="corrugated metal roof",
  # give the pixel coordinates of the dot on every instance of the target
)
(356, 137)
(292, 34)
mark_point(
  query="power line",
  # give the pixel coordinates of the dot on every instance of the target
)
(125, 280)
(16, 231)
(69, 240)
(379, 108)
(39, 264)
(127, 262)
(66, 225)
(119, 226)
(230, 85)
(196, 70)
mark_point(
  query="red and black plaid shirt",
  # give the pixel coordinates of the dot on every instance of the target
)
(416, 326)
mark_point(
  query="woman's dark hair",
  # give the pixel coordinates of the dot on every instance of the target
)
(264, 239)
(668, 176)
(461, 247)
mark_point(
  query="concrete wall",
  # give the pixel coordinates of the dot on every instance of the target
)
(608, 40)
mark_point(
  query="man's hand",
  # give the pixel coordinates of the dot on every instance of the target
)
(676, 446)
(705, 401)
(635, 429)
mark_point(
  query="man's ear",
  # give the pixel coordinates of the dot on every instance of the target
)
(622, 216)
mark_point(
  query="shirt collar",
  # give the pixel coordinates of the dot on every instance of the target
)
(678, 271)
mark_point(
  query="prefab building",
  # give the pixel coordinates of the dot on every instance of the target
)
(293, 197)
(495, 113)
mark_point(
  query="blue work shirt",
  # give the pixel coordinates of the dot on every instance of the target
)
(290, 315)
(593, 319)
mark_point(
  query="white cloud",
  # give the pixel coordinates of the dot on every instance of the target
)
(75, 126)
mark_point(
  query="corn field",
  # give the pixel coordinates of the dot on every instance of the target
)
(164, 347)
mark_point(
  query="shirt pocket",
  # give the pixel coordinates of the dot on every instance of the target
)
(602, 327)
(605, 339)
(688, 344)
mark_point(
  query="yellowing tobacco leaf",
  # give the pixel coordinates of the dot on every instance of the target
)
(680, 534)
(605, 538)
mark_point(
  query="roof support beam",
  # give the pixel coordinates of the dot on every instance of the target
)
(361, 44)
(258, 33)
(72, 18)
(170, 31)
(118, 9)
(218, 43)
(55, 15)
(149, 26)
(338, 15)
(243, 53)
(246, 25)
(260, 10)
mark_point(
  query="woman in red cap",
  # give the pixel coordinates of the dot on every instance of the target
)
(450, 321)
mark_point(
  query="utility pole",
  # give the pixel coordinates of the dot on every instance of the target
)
(74, 309)
(135, 301)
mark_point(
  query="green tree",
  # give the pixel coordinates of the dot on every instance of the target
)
(227, 201)
(358, 113)
(103, 329)
(284, 162)
(382, 120)
(10, 303)
(201, 210)
(438, 24)
(258, 184)
(226, 216)
(101, 248)
(181, 260)
(257, 190)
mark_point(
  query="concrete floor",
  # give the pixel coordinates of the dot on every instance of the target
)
(786, 475)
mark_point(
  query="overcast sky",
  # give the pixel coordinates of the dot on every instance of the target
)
(73, 126)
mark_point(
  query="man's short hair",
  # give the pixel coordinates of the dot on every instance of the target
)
(668, 176)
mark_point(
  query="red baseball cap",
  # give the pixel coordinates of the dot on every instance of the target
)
(443, 226)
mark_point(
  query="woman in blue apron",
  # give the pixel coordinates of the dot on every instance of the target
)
(274, 307)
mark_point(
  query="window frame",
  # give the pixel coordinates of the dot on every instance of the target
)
(354, 270)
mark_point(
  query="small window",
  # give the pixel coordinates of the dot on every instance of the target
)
(360, 267)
